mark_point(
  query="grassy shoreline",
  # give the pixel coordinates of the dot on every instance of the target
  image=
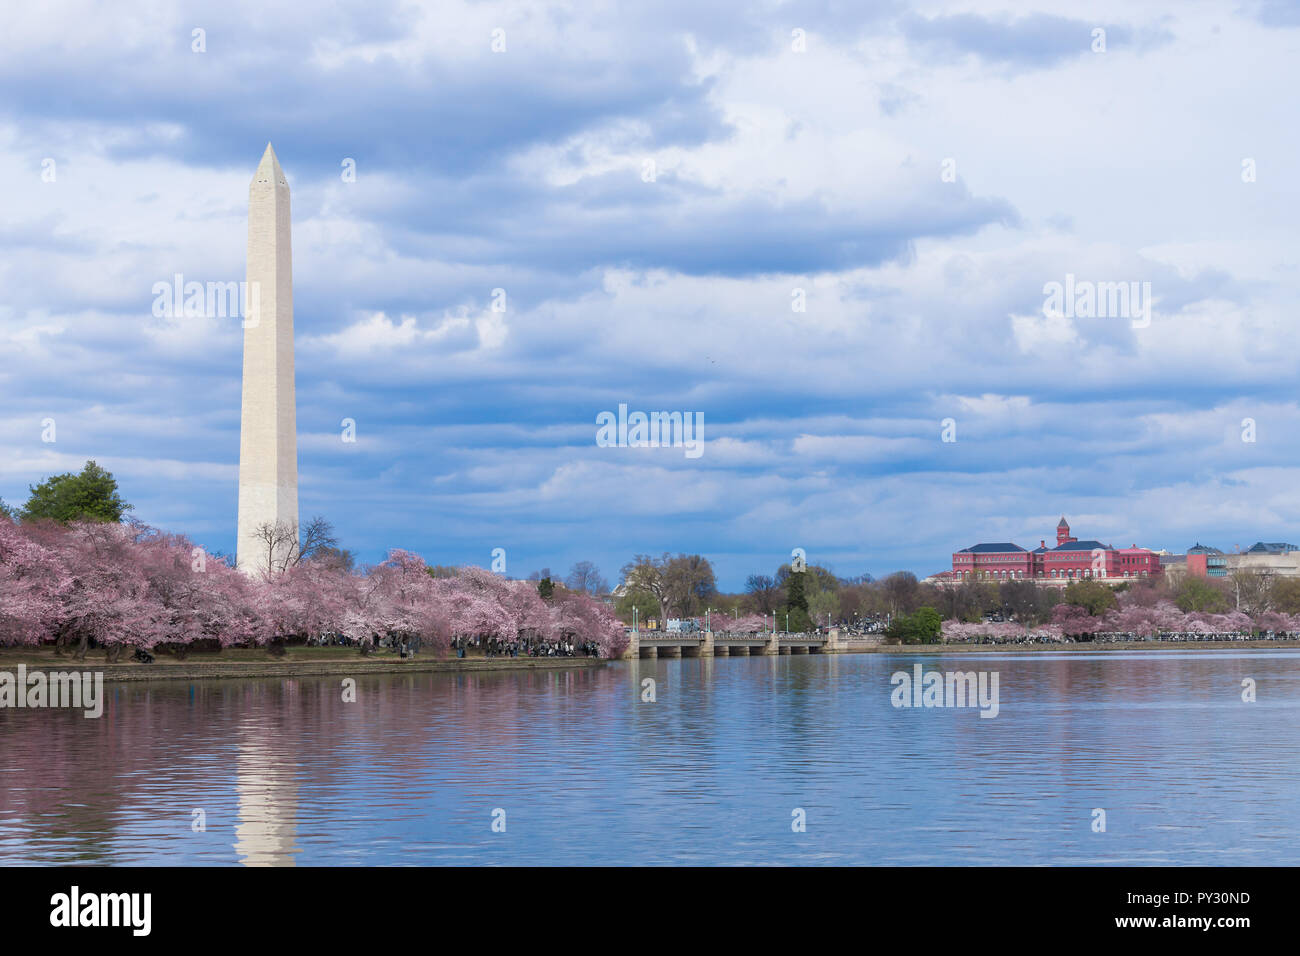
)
(1084, 648)
(257, 663)
(235, 663)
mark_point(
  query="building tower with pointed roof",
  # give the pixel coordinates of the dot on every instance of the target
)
(1063, 532)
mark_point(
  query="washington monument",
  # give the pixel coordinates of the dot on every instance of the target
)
(268, 436)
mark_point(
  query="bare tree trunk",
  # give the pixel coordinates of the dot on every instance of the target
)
(83, 647)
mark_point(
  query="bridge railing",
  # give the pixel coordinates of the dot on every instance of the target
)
(795, 637)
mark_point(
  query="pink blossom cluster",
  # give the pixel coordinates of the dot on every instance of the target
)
(132, 586)
(998, 630)
(1161, 618)
(1165, 617)
(744, 624)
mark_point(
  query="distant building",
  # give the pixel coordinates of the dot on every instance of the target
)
(1004, 560)
(1204, 561)
(1172, 563)
(1275, 558)
(1261, 547)
(1070, 560)
(939, 577)
(1263, 557)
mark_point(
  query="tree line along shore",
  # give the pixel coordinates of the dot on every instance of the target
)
(77, 572)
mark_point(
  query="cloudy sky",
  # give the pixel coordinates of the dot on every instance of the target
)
(657, 187)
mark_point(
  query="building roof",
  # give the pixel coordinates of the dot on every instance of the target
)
(1199, 548)
(1083, 546)
(1270, 547)
(1002, 547)
(1063, 523)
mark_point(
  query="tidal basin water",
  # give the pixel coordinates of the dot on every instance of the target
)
(711, 772)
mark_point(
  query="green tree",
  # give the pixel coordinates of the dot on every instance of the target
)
(1198, 594)
(921, 627)
(546, 588)
(645, 603)
(7, 512)
(796, 603)
(927, 625)
(89, 496)
(823, 606)
(1093, 596)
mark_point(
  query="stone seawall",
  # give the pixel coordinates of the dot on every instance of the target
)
(1081, 647)
(236, 670)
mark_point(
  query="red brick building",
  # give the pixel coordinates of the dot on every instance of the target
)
(1070, 560)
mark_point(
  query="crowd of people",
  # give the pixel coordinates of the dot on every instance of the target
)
(1126, 636)
(1119, 637)
(526, 647)
(1028, 638)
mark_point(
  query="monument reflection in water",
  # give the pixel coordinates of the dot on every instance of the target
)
(268, 804)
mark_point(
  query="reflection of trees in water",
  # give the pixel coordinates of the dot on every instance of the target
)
(259, 757)
(59, 794)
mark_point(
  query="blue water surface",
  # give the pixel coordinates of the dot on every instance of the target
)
(573, 767)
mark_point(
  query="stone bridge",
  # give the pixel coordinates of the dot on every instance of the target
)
(726, 644)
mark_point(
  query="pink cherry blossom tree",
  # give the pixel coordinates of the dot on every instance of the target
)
(126, 585)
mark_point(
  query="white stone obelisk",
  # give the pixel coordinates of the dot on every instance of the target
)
(268, 436)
